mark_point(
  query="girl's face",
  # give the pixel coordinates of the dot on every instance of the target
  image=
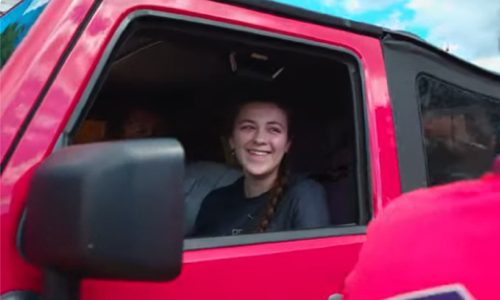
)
(260, 138)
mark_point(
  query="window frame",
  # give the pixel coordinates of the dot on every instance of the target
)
(362, 175)
(404, 59)
(450, 85)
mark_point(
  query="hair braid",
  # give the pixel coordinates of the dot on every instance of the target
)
(275, 196)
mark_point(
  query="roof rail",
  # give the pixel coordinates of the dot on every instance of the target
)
(309, 16)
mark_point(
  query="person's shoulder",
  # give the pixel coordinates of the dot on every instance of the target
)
(301, 184)
(308, 202)
(210, 168)
(303, 189)
(436, 227)
(471, 191)
(436, 207)
(427, 201)
(225, 191)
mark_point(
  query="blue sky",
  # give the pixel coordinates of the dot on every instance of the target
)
(19, 13)
(468, 29)
(350, 10)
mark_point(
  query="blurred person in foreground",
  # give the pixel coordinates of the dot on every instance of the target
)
(436, 243)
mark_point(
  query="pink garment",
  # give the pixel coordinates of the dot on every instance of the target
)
(430, 238)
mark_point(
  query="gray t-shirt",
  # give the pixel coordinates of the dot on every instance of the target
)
(201, 178)
(226, 211)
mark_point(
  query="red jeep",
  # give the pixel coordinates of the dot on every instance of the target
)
(378, 113)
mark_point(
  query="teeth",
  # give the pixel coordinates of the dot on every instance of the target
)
(257, 152)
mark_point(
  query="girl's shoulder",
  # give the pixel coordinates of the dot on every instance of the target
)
(302, 185)
(227, 191)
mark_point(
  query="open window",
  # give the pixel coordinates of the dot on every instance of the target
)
(181, 79)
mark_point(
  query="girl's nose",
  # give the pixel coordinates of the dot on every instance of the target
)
(260, 136)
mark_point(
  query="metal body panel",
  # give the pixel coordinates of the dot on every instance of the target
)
(303, 269)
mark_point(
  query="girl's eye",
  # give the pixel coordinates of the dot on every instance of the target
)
(275, 130)
(246, 127)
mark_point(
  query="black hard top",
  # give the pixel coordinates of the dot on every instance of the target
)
(381, 33)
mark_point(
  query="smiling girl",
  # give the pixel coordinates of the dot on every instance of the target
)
(265, 198)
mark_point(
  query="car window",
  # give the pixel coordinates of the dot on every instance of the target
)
(15, 24)
(461, 130)
(187, 84)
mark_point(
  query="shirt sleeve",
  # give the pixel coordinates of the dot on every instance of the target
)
(310, 205)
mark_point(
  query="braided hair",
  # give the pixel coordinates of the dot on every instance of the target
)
(275, 196)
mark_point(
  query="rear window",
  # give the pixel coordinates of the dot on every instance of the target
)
(16, 23)
(461, 130)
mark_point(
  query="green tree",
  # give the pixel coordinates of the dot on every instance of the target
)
(9, 39)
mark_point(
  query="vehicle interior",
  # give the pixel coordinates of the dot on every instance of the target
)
(192, 76)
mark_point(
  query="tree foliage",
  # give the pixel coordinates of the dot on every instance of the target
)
(9, 40)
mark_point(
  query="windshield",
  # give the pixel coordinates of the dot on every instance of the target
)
(15, 24)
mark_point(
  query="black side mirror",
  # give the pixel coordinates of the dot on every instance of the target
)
(108, 210)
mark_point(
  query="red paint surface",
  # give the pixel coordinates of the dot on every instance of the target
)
(309, 269)
(29, 67)
(289, 270)
(22, 79)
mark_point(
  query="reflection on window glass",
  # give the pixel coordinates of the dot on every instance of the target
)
(461, 130)
(16, 23)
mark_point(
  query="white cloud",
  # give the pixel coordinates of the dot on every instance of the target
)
(470, 29)
(465, 28)
(490, 63)
(35, 4)
(352, 6)
(329, 3)
(395, 22)
(360, 6)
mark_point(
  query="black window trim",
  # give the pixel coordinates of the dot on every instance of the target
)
(404, 60)
(428, 75)
(454, 85)
(272, 237)
(360, 119)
